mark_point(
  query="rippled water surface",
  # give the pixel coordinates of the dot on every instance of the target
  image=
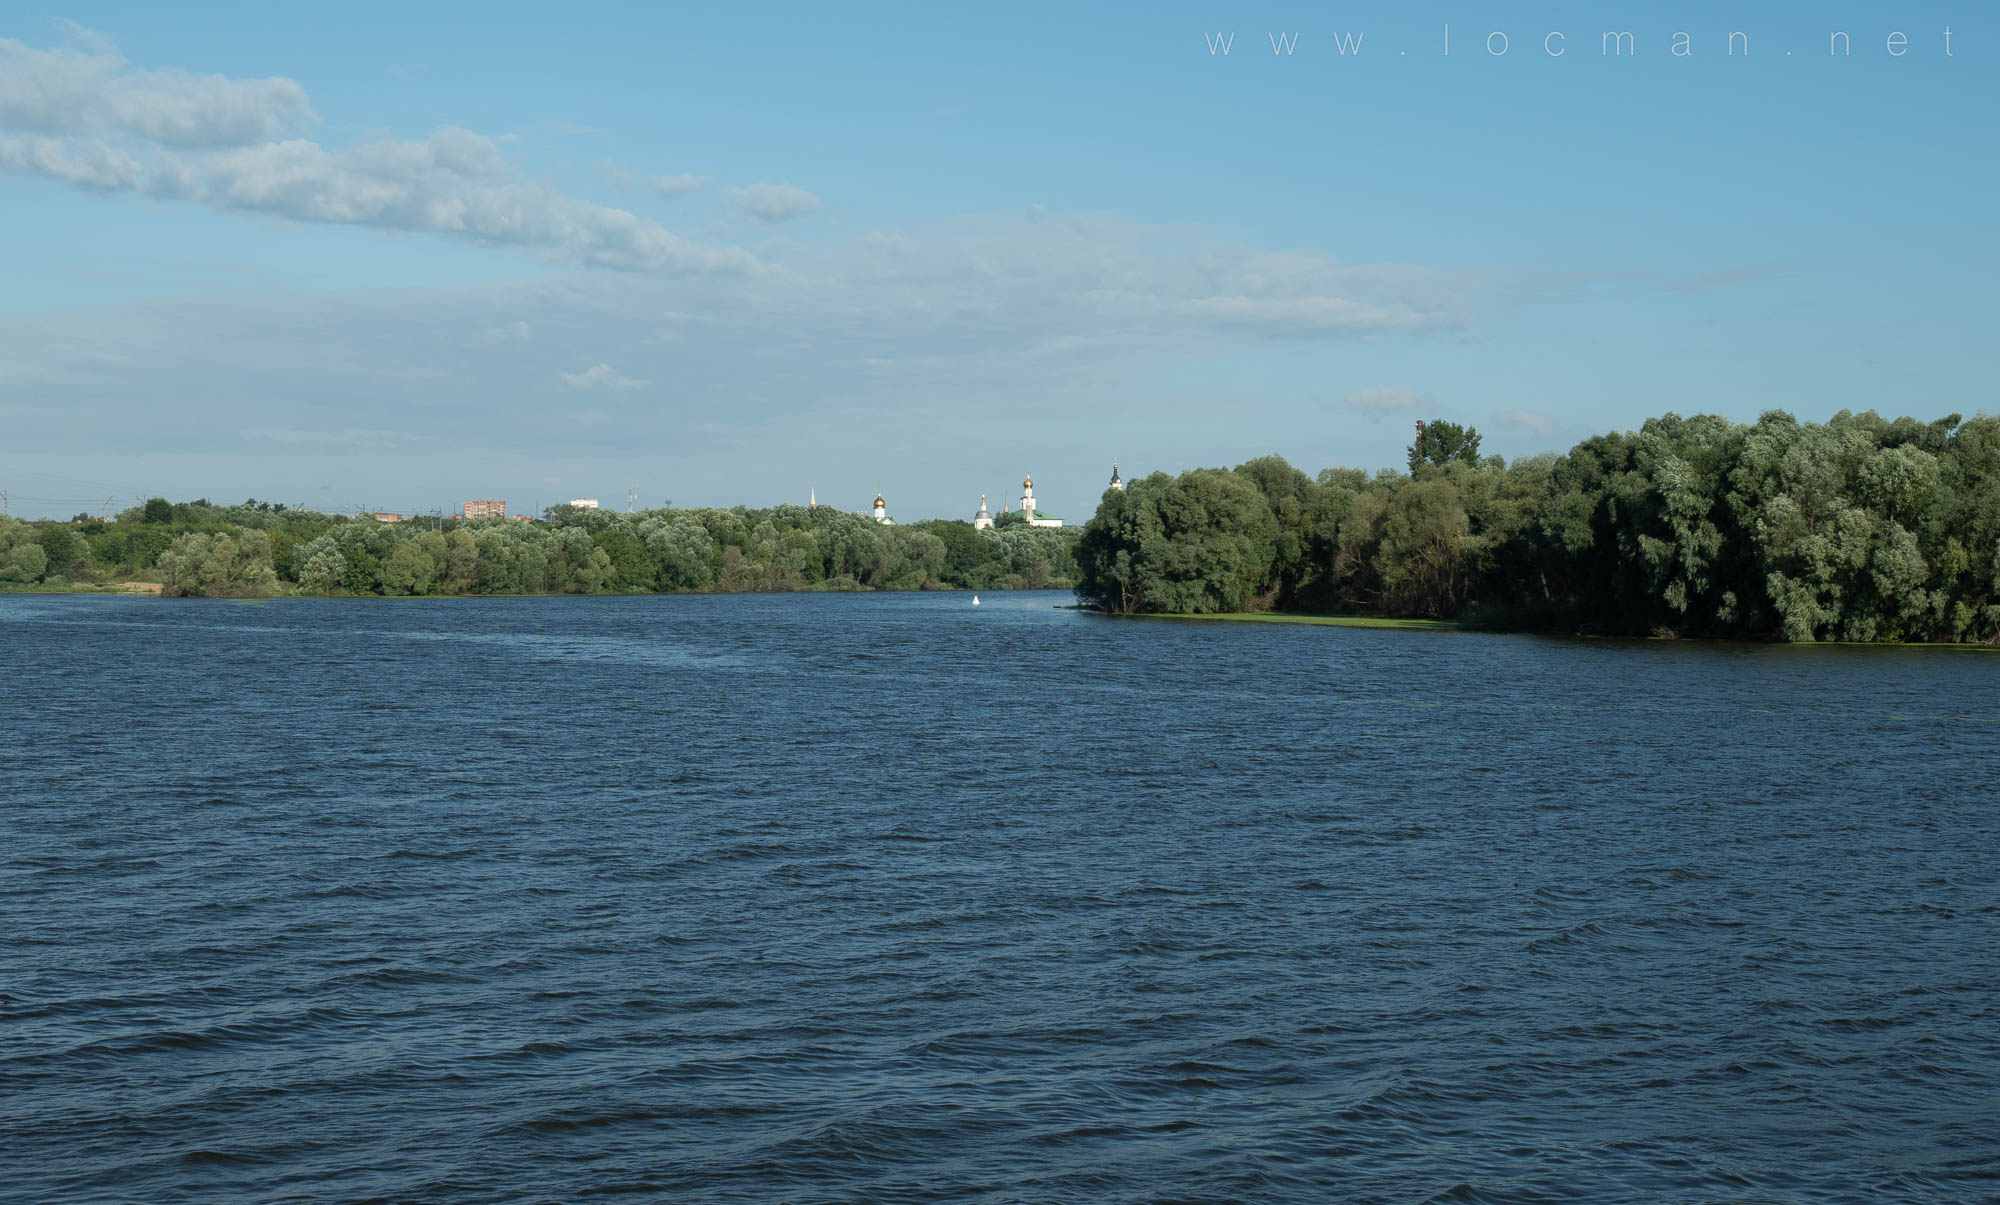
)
(860, 898)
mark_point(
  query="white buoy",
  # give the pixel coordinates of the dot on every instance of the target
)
(975, 600)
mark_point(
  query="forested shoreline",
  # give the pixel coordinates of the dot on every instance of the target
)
(257, 549)
(1857, 529)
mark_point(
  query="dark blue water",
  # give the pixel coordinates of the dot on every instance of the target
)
(885, 898)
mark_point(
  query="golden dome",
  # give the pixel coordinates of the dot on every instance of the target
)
(1027, 483)
(878, 498)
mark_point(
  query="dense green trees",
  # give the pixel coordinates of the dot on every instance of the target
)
(1859, 528)
(1440, 442)
(21, 556)
(199, 548)
(1855, 529)
(1204, 541)
(219, 565)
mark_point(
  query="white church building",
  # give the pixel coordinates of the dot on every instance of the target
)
(1036, 518)
(983, 521)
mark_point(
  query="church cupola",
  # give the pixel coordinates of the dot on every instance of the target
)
(1115, 483)
(1034, 517)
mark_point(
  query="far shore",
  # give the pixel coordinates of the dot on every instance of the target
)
(155, 590)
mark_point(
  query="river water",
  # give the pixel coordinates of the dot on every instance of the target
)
(891, 898)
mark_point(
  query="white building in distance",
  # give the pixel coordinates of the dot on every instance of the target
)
(584, 503)
(983, 520)
(1036, 518)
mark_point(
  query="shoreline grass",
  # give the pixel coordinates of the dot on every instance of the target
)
(1330, 621)
(1450, 625)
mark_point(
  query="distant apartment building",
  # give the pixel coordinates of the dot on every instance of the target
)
(584, 503)
(383, 516)
(485, 508)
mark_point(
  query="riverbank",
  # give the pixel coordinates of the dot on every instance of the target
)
(76, 588)
(1330, 621)
(1449, 625)
(156, 589)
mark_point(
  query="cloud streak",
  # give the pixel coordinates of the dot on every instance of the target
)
(774, 202)
(87, 90)
(679, 185)
(1000, 307)
(80, 116)
(625, 179)
(600, 377)
(1526, 420)
(903, 351)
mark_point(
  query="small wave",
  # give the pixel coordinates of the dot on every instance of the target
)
(1584, 933)
(1858, 1024)
(212, 1158)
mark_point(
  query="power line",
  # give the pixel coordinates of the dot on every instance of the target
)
(63, 481)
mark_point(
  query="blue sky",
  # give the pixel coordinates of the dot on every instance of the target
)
(400, 256)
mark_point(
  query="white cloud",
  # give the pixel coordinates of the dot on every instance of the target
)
(456, 182)
(87, 90)
(905, 346)
(599, 376)
(680, 185)
(774, 202)
(996, 308)
(1394, 399)
(1526, 420)
(625, 179)
(495, 336)
(86, 164)
(1309, 315)
(77, 115)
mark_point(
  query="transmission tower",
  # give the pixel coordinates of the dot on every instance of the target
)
(631, 498)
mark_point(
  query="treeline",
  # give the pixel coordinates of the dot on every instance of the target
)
(1857, 529)
(256, 549)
